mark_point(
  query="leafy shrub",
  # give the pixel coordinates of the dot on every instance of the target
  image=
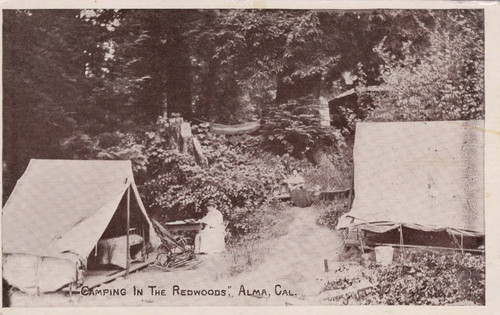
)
(184, 188)
(430, 279)
(294, 128)
(331, 213)
(332, 171)
(444, 83)
(340, 283)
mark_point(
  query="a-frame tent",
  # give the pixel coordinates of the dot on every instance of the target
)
(56, 214)
(418, 176)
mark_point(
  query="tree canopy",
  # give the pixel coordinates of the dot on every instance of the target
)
(73, 76)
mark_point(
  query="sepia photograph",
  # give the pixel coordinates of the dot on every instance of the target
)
(243, 157)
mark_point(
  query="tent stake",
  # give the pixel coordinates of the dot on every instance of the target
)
(127, 270)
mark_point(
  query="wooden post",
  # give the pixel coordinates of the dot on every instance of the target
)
(401, 241)
(352, 187)
(326, 265)
(127, 270)
(462, 243)
(360, 237)
(143, 249)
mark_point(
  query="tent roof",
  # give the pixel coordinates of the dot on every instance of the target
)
(63, 205)
(424, 175)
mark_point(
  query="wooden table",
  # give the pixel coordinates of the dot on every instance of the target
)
(335, 194)
(177, 226)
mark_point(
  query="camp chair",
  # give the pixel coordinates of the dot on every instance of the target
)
(174, 251)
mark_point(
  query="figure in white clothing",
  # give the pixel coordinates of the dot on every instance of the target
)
(210, 240)
(295, 181)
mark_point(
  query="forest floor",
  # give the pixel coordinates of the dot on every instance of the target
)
(291, 273)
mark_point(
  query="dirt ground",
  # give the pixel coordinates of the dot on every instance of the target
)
(292, 273)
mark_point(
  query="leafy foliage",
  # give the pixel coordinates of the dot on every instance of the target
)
(340, 283)
(294, 128)
(91, 84)
(241, 57)
(237, 181)
(431, 279)
(183, 190)
(42, 96)
(443, 82)
(175, 187)
(330, 215)
(146, 62)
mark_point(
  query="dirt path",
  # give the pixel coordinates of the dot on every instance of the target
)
(296, 261)
(294, 267)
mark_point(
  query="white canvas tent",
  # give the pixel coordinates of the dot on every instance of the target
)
(56, 214)
(426, 176)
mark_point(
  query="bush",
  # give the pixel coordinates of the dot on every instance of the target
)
(331, 213)
(239, 178)
(184, 188)
(430, 279)
(332, 172)
(294, 128)
(445, 81)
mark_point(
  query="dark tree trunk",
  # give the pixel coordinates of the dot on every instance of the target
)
(209, 91)
(178, 74)
(153, 96)
(169, 66)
